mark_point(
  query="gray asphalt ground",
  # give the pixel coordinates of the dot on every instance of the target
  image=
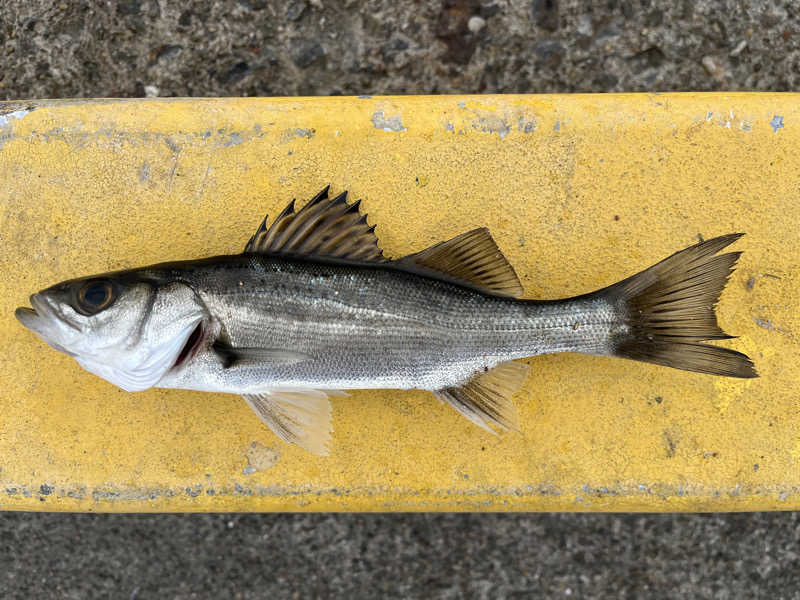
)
(260, 47)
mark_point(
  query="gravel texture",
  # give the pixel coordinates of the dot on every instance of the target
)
(133, 48)
(399, 556)
(321, 47)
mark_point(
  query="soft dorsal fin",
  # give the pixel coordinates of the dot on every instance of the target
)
(472, 257)
(301, 417)
(323, 227)
(487, 398)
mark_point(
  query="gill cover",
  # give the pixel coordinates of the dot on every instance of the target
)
(150, 335)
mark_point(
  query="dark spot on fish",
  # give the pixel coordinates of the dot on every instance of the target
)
(485, 369)
(226, 354)
(616, 217)
(700, 237)
(751, 283)
(658, 399)
(45, 490)
(755, 467)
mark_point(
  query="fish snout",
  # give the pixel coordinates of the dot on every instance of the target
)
(34, 318)
(31, 317)
(26, 316)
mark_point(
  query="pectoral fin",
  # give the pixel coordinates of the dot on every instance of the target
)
(301, 417)
(486, 399)
(231, 355)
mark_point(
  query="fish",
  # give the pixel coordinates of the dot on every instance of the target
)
(312, 308)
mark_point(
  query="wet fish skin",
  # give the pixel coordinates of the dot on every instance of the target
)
(369, 325)
(312, 307)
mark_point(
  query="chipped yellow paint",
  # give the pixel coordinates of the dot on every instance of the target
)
(579, 191)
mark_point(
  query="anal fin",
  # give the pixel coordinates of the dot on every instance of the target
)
(487, 398)
(301, 417)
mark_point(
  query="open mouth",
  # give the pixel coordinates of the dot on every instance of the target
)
(27, 316)
(23, 312)
(36, 322)
(191, 346)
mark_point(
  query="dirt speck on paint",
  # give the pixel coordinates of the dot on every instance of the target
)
(260, 458)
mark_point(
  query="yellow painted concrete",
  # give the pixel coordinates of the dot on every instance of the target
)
(579, 191)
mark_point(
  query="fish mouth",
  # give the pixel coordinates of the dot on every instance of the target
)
(192, 345)
(32, 317)
(26, 315)
(36, 319)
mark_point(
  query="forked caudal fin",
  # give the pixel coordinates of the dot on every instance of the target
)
(669, 308)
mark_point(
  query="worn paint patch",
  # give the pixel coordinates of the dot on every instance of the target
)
(490, 123)
(764, 323)
(499, 120)
(234, 139)
(144, 172)
(5, 119)
(776, 123)
(260, 458)
(297, 132)
(769, 325)
(671, 439)
(525, 126)
(636, 493)
(727, 120)
(389, 124)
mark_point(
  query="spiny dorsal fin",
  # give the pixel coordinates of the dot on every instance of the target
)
(472, 257)
(323, 227)
(301, 417)
(486, 398)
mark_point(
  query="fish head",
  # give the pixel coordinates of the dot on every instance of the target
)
(128, 329)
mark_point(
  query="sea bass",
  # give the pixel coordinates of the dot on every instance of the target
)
(313, 308)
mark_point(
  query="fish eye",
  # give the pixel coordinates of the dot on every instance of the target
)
(95, 296)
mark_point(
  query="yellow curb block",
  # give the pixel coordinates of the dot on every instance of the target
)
(579, 192)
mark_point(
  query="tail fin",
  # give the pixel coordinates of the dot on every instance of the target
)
(669, 308)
